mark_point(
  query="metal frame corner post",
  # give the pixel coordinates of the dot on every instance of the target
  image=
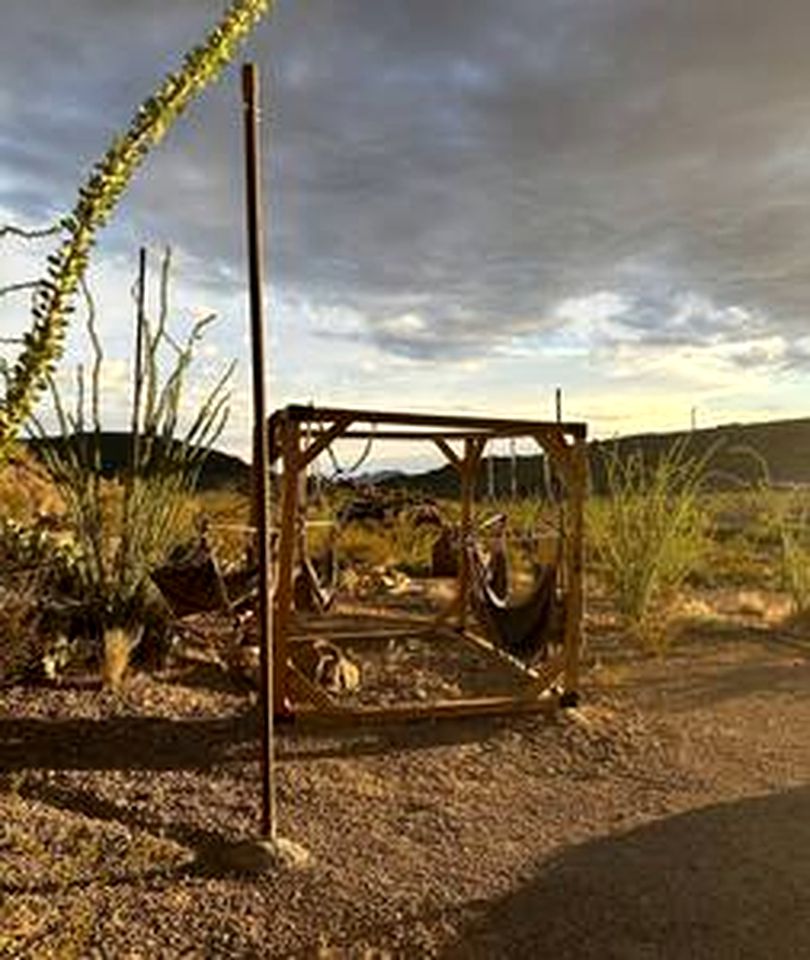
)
(576, 556)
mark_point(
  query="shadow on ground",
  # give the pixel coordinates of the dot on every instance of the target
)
(726, 881)
(157, 743)
(126, 743)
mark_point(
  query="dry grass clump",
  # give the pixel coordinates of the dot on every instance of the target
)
(647, 535)
(21, 644)
(397, 543)
(228, 514)
(790, 512)
(26, 490)
(118, 645)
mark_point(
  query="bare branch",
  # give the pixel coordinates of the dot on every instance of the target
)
(10, 230)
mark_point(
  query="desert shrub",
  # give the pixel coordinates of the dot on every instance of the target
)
(648, 534)
(21, 644)
(121, 530)
(364, 544)
(790, 512)
(780, 529)
(743, 548)
(411, 544)
(26, 490)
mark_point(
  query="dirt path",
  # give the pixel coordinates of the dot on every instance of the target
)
(669, 817)
(729, 876)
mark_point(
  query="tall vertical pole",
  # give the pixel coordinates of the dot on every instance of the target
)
(261, 459)
(558, 403)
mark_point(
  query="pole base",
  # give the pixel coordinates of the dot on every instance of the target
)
(254, 856)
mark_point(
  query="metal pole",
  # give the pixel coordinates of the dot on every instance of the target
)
(558, 403)
(261, 461)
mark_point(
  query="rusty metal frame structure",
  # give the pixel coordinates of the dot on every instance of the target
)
(462, 440)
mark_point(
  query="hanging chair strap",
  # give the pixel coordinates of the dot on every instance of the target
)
(309, 590)
(308, 593)
(341, 472)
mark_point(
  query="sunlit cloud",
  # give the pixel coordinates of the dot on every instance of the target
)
(468, 204)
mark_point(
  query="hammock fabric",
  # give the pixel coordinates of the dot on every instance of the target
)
(519, 628)
(193, 584)
(444, 554)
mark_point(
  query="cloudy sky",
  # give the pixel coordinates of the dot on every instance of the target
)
(470, 201)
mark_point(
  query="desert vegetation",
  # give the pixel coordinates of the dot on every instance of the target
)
(660, 534)
(54, 295)
(130, 728)
(122, 786)
(79, 547)
(129, 753)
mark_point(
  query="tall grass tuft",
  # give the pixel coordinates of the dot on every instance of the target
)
(786, 513)
(791, 516)
(648, 534)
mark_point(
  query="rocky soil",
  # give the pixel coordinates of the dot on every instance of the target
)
(668, 816)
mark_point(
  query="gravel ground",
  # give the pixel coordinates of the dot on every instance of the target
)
(669, 816)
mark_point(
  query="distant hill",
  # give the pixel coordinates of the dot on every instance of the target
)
(736, 451)
(737, 454)
(220, 470)
(784, 445)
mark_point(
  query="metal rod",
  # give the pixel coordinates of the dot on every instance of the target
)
(261, 460)
(140, 322)
(131, 476)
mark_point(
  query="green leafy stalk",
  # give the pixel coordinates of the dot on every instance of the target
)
(647, 535)
(54, 295)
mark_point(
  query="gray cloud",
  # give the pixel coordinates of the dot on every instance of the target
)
(468, 163)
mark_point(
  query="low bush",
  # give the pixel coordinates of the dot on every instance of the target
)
(121, 530)
(648, 534)
(791, 519)
(22, 645)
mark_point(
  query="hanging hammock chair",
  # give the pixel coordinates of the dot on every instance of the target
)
(192, 582)
(519, 627)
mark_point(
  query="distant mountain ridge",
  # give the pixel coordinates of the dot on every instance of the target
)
(737, 452)
(220, 470)
(784, 445)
